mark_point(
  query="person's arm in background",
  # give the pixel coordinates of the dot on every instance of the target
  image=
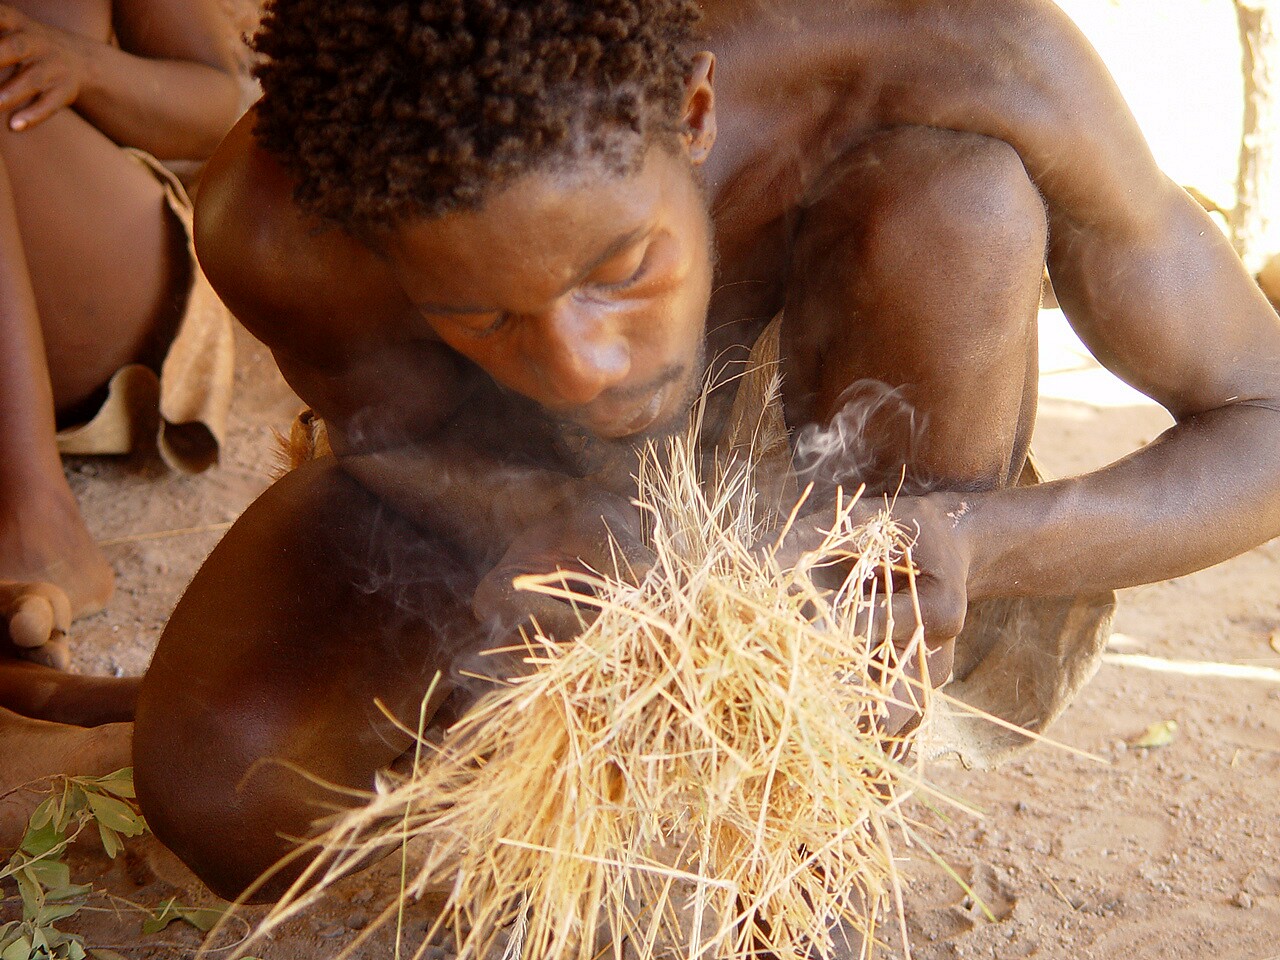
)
(169, 88)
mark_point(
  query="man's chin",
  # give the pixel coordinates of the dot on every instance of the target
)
(634, 423)
(666, 412)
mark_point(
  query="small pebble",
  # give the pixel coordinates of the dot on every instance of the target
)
(1243, 900)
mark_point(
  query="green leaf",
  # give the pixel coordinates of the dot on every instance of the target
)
(75, 800)
(53, 912)
(1157, 735)
(62, 808)
(119, 783)
(31, 893)
(40, 940)
(50, 874)
(163, 916)
(69, 891)
(39, 841)
(75, 951)
(156, 924)
(111, 841)
(202, 918)
(116, 814)
(42, 815)
(20, 949)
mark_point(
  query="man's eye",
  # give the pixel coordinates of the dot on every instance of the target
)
(631, 280)
(485, 326)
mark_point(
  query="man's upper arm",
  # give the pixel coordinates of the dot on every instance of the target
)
(1146, 278)
(1158, 295)
(1144, 275)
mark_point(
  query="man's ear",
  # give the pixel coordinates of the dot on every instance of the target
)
(698, 119)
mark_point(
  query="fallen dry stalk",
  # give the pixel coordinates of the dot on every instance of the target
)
(699, 773)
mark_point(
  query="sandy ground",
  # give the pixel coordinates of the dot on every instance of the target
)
(1145, 855)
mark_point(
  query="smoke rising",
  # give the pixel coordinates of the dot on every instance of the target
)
(873, 436)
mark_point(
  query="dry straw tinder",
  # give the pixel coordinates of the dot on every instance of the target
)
(701, 773)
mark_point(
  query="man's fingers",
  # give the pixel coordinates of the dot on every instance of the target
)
(21, 87)
(906, 701)
(560, 620)
(894, 620)
(499, 603)
(41, 109)
(941, 616)
(941, 659)
(14, 48)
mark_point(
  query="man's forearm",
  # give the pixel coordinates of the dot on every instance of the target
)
(171, 108)
(1204, 491)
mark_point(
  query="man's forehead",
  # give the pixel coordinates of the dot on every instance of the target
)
(543, 228)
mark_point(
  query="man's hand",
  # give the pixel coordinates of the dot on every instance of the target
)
(941, 558)
(938, 554)
(48, 68)
(578, 539)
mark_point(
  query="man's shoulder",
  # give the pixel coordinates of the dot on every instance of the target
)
(1019, 71)
(300, 285)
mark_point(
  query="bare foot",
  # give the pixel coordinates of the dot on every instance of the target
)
(35, 750)
(51, 571)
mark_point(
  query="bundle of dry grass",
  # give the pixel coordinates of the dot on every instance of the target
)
(699, 773)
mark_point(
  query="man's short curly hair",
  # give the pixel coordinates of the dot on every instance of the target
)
(385, 110)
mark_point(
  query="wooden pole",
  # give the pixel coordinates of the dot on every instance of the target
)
(1255, 222)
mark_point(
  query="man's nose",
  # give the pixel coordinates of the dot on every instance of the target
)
(584, 353)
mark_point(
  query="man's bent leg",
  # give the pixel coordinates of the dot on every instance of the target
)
(918, 269)
(910, 321)
(317, 605)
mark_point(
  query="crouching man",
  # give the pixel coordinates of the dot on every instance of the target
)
(491, 245)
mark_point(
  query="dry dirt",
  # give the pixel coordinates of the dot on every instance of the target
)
(1141, 855)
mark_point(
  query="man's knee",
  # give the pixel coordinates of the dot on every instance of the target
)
(933, 201)
(221, 792)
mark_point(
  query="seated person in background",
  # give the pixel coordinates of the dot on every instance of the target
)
(491, 242)
(96, 278)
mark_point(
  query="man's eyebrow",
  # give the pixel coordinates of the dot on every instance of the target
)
(614, 248)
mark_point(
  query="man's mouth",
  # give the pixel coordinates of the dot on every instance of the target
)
(613, 425)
